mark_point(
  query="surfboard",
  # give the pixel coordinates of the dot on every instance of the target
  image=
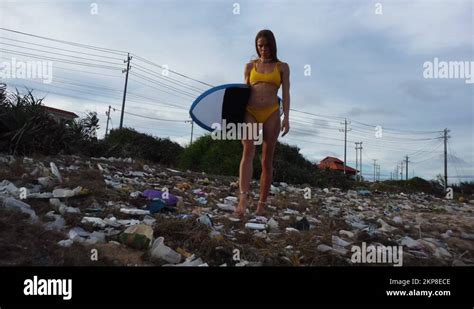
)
(222, 102)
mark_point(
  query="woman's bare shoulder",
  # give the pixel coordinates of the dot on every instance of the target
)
(284, 66)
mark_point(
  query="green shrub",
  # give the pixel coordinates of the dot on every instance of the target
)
(127, 142)
(223, 157)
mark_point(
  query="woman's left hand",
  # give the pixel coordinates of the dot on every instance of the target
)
(285, 126)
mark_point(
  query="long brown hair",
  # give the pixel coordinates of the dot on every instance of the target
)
(271, 43)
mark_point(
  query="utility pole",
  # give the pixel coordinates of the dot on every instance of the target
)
(374, 168)
(361, 177)
(108, 118)
(446, 159)
(192, 128)
(125, 87)
(406, 165)
(345, 141)
(357, 160)
(401, 171)
(391, 174)
(396, 173)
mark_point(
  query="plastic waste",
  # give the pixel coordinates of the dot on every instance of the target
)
(206, 220)
(156, 206)
(255, 226)
(201, 200)
(170, 199)
(160, 251)
(138, 236)
(134, 211)
(14, 204)
(302, 225)
(226, 207)
(66, 192)
(55, 172)
(98, 222)
(8, 189)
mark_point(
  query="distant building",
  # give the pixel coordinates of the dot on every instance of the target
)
(335, 164)
(59, 114)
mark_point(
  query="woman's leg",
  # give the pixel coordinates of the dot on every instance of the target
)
(245, 172)
(271, 130)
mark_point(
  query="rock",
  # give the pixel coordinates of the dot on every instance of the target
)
(326, 190)
(290, 230)
(160, 251)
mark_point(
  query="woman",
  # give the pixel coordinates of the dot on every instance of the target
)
(265, 76)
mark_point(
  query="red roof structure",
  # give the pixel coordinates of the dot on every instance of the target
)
(334, 163)
(60, 114)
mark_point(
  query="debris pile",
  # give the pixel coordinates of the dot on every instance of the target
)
(182, 218)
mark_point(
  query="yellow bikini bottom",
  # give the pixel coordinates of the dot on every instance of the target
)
(262, 114)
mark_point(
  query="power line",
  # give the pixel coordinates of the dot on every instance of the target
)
(101, 49)
(57, 48)
(60, 54)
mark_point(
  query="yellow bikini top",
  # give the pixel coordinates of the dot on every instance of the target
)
(272, 77)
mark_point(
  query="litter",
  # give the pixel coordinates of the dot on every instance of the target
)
(255, 226)
(134, 211)
(137, 236)
(160, 251)
(206, 220)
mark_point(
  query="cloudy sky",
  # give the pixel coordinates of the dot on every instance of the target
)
(360, 60)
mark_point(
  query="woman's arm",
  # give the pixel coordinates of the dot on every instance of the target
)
(285, 72)
(248, 68)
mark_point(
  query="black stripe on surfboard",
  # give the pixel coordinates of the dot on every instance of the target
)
(235, 102)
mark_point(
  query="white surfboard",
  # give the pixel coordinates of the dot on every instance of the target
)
(222, 102)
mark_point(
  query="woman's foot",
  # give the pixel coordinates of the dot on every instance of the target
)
(242, 207)
(261, 209)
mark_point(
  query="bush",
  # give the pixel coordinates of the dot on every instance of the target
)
(27, 128)
(223, 157)
(127, 142)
